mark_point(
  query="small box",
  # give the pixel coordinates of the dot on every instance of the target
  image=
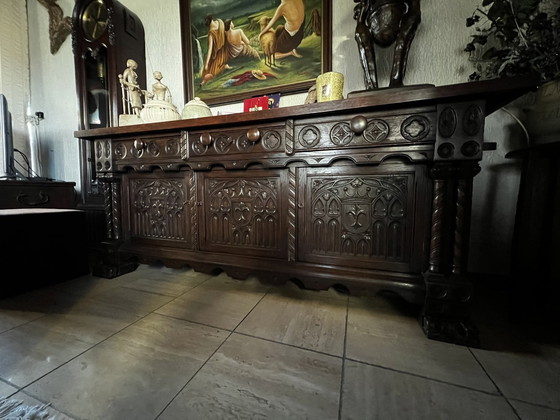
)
(255, 104)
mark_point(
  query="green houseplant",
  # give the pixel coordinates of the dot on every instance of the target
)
(515, 37)
(521, 37)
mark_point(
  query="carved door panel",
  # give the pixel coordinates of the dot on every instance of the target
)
(244, 212)
(367, 217)
(157, 208)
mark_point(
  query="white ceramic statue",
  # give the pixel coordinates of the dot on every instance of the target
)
(159, 106)
(131, 95)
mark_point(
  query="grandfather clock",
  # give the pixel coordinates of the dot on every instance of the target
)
(105, 34)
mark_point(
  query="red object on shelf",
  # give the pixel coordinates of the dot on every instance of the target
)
(255, 104)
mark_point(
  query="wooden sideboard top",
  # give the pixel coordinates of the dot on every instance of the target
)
(35, 182)
(496, 93)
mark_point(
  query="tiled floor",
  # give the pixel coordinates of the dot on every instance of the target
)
(161, 343)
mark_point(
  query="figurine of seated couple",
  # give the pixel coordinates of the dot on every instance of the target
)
(158, 107)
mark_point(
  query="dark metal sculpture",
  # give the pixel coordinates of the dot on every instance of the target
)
(384, 22)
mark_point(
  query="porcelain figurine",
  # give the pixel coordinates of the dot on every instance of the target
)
(131, 94)
(159, 106)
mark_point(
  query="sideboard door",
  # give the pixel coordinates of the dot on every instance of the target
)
(366, 217)
(244, 212)
(156, 208)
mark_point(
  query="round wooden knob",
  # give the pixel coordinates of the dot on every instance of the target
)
(139, 144)
(206, 139)
(358, 124)
(253, 135)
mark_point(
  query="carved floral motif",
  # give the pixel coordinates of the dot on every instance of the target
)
(309, 136)
(376, 131)
(415, 128)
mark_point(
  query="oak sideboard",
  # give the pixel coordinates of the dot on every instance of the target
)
(366, 194)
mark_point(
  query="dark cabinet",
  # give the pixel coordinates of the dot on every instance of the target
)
(369, 193)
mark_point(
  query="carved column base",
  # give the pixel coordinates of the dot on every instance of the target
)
(446, 313)
(109, 264)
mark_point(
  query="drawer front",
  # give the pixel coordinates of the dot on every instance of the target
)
(235, 143)
(141, 153)
(244, 212)
(367, 131)
(363, 217)
(28, 194)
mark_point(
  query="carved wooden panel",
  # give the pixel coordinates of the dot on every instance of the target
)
(244, 212)
(460, 131)
(145, 153)
(361, 216)
(159, 207)
(388, 129)
(229, 141)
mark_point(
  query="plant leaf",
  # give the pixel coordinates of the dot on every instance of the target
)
(489, 53)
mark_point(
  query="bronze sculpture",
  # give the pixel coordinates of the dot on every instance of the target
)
(384, 22)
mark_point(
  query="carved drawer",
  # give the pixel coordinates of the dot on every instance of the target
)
(16, 194)
(141, 153)
(237, 147)
(368, 130)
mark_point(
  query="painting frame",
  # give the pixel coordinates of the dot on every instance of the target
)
(292, 74)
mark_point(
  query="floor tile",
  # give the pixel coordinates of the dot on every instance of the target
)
(532, 376)
(134, 301)
(304, 318)
(40, 301)
(132, 375)
(371, 392)
(92, 321)
(166, 282)
(88, 286)
(221, 302)
(380, 332)
(11, 318)
(7, 390)
(249, 378)
(158, 270)
(33, 350)
(534, 412)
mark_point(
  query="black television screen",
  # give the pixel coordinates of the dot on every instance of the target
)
(7, 139)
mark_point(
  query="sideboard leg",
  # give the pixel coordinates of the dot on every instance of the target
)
(446, 313)
(110, 263)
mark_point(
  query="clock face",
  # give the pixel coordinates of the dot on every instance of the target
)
(94, 19)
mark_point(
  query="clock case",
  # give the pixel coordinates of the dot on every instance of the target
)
(98, 62)
(97, 65)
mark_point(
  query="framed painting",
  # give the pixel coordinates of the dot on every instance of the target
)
(238, 49)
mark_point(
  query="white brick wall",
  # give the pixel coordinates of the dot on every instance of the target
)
(14, 66)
